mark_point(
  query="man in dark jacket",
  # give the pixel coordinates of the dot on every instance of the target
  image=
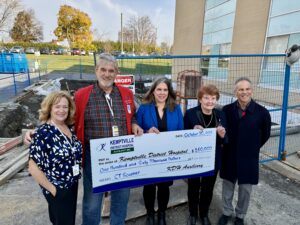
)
(248, 129)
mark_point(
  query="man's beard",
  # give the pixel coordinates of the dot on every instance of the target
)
(106, 84)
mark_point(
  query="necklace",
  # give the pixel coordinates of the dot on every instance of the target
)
(207, 125)
(210, 120)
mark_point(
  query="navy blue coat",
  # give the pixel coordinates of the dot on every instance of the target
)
(246, 135)
(192, 117)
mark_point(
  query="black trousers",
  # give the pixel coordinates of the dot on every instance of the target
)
(62, 207)
(163, 194)
(200, 201)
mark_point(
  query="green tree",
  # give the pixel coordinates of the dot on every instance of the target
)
(75, 26)
(26, 27)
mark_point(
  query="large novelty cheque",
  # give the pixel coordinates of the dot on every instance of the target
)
(128, 161)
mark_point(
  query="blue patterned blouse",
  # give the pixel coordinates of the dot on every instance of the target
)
(55, 155)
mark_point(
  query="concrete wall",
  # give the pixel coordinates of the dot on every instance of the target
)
(188, 30)
(188, 33)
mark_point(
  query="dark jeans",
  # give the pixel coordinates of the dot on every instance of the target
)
(62, 207)
(163, 194)
(206, 187)
(92, 202)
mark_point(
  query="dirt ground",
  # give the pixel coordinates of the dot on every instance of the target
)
(275, 201)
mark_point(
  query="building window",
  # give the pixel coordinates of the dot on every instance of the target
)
(284, 24)
(217, 37)
(280, 7)
(215, 67)
(283, 32)
(213, 3)
(272, 74)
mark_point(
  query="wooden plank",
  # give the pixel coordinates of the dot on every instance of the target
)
(4, 140)
(14, 169)
(10, 144)
(11, 154)
(14, 160)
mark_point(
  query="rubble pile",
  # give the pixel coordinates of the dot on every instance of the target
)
(13, 117)
(22, 113)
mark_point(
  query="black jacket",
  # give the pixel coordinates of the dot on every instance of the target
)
(246, 135)
(193, 117)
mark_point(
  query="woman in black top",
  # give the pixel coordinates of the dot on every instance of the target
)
(200, 117)
(159, 113)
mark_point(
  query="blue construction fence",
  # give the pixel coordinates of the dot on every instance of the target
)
(18, 71)
(276, 85)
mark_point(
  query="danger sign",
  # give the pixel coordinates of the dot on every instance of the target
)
(126, 81)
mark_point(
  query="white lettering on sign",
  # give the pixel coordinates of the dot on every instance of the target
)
(123, 80)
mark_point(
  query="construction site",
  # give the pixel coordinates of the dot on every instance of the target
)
(275, 199)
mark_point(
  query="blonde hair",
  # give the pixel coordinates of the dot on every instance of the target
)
(52, 99)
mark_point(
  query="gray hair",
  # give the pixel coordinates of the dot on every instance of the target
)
(241, 79)
(107, 58)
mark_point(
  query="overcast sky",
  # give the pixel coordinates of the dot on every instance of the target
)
(106, 14)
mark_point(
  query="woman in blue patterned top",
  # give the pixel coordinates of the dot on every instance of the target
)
(55, 157)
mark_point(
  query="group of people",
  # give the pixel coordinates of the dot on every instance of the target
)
(57, 152)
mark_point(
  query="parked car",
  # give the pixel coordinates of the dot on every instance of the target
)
(52, 52)
(61, 51)
(30, 50)
(115, 53)
(90, 53)
(75, 51)
(155, 54)
(131, 54)
(17, 49)
(82, 52)
(123, 54)
(3, 50)
(45, 51)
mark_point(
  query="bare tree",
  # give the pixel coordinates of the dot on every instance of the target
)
(143, 30)
(127, 35)
(8, 9)
(107, 46)
(99, 35)
(165, 47)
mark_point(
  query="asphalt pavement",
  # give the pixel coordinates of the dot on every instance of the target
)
(275, 201)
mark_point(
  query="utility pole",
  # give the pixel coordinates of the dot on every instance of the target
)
(133, 41)
(155, 35)
(122, 52)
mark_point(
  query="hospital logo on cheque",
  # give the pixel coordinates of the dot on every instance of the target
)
(101, 147)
